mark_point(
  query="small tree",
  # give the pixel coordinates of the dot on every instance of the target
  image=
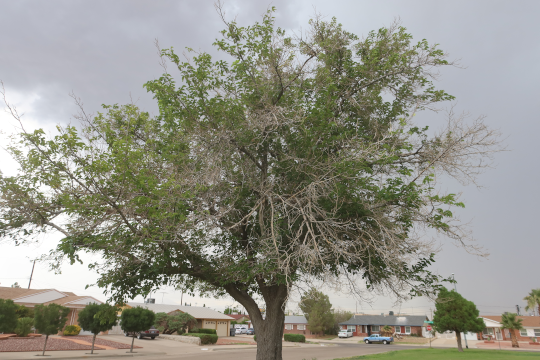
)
(8, 316)
(24, 326)
(512, 323)
(533, 300)
(135, 320)
(49, 319)
(339, 317)
(318, 310)
(177, 322)
(97, 318)
(455, 313)
(387, 331)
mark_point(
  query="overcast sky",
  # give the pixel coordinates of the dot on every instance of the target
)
(104, 52)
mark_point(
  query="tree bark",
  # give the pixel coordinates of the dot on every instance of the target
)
(513, 337)
(44, 346)
(93, 341)
(458, 338)
(270, 329)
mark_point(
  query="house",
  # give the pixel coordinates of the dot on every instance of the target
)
(206, 317)
(32, 297)
(295, 325)
(239, 317)
(531, 328)
(365, 325)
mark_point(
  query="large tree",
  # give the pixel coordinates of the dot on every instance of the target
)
(295, 157)
(318, 310)
(455, 313)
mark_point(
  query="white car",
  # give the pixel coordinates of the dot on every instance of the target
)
(345, 333)
(240, 331)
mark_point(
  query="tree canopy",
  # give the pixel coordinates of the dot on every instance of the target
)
(135, 320)
(511, 322)
(318, 310)
(97, 318)
(455, 313)
(533, 300)
(296, 157)
(49, 319)
(176, 322)
(8, 316)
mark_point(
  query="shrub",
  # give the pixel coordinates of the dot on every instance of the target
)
(8, 316)
(255, 338)
(294, 338)
(205, 338)
(72, 330)
(203, 331)
(24, 326)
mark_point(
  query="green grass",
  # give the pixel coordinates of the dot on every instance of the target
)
(448, 354)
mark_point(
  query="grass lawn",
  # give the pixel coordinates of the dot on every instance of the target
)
(448, 354)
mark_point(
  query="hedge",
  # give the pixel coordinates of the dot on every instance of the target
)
(72, 330)
(202, 331)
(205, 338)
(294, 338)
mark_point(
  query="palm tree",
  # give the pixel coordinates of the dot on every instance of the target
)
(510, 322)
(533, 300)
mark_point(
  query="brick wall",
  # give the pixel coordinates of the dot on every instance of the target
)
(295, 330)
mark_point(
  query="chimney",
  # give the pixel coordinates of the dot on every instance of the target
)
(391, 313)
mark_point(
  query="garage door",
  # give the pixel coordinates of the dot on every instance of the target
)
(222, 328)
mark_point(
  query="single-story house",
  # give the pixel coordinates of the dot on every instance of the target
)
(365, 325)
(206, 317)
(297, 324)
(239, 317)
(32, 297)
(531, 328)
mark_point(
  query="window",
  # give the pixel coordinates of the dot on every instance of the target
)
(536, 332)
(375, 328)
(523, 332)
(398, 329)
(301, 327)
(488, 331)
(351, 327)
(288, 326)
(407, 329)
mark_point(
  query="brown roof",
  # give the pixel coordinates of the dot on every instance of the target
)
(528, 321)
(13, 293)
(238, 316)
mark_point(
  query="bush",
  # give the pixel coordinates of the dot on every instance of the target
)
(72, 330)
(255, 338)
(202, 331)
(205, 338)
(24, 326)
(294, 338)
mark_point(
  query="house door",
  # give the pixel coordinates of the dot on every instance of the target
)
(368, 330)
(498, 334)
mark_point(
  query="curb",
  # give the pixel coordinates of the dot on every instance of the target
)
(104, 356)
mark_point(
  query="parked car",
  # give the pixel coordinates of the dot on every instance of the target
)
(239, 331)
(377, 338)
(250, 331)
(151, 333)
(345, 333)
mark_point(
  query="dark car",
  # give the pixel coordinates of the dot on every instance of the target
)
(251, 331)
(151, 333)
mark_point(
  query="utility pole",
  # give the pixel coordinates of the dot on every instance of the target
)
(32, 274)
(517, 308)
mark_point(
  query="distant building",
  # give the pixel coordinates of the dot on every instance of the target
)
(365, 325)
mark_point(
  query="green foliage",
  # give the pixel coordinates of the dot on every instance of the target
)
(511, 322)
(203, 331)
(177, 322)
(254, 337)
(50, 319)
(388, 331)
(8, 316)
(205, 338)
(23, 311)
(455, 313)
(318, 310)
(98, 317)
(294, 338)
(339, 317)
(533, 300)
(72, 330)
(24, 326)
(229, 310)
(137, 319)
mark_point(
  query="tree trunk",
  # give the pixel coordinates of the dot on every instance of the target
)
(93, 341)
(458, 338)
(132, 341)
(270, 329)
(44, 346)
(513, 337)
